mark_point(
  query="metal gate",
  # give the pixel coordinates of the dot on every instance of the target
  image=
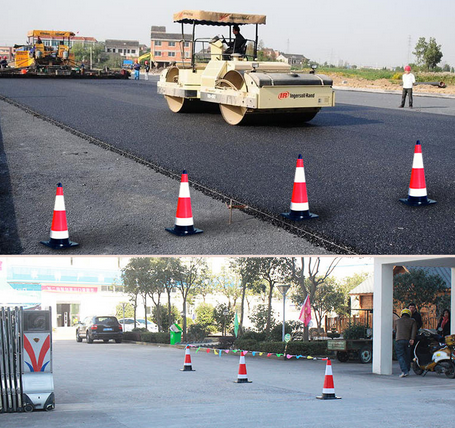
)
(26, 379)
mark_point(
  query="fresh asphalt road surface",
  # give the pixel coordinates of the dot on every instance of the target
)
(129, 386)
(358, 156)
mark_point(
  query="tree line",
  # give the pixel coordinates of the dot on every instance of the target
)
(149, 279)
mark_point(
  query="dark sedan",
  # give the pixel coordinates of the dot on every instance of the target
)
(99, 328)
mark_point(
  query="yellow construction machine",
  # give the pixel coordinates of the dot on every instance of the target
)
(43, 57)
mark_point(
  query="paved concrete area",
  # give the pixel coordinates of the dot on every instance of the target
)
(126, 385)
(114, 205)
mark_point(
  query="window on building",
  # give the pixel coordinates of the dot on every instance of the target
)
(113, 50)
(133, 51)
(171, 53)
(128, 51)
(171, 44)
(187, 44)
(158, 43)
(108, 49)
(157, 53)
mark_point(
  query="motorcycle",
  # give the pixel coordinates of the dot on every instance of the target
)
(430, 355)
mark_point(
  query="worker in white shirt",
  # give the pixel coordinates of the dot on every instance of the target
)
(409, 81)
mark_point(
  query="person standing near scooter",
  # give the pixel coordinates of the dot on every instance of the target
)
(443, 327)
(405, 332)
(416, 315)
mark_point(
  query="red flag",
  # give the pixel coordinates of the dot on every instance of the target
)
(305, 313)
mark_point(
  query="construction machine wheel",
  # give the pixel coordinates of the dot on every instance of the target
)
(232, 114)
(175, 104)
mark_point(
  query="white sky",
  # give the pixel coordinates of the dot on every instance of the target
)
(346, 267)
(365, 33)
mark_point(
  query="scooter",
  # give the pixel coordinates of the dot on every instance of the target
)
(430, 355)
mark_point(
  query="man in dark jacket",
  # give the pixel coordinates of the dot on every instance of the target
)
(415, 315)
(405, 332)
(238, 44)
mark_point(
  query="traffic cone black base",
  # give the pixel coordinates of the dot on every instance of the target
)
(183, 230)
(187, 369)
(59, 244)
(243, 381)
(299, 215)
(328, 397)
(417, 201)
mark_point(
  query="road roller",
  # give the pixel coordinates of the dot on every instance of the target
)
(215, 70)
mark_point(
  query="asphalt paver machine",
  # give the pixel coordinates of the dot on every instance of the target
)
(26, 375)
(242, 86)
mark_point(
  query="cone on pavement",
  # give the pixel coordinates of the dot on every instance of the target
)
(328, 390)
(242, 377)
(184, 216)
(299, 202)
(59, 237)
(187, 367)
(417, 195)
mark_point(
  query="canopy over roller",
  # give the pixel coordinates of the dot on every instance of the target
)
(217, 18)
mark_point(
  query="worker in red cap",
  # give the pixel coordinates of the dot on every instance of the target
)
(3, 62)
(409, 81)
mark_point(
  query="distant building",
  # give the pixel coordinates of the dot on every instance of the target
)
(7, 51)
(84, 41)
(271, 53)
(167, 47)
(294, 60)
(126, 48)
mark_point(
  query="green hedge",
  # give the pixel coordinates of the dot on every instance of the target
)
(155, 337)
(146, 336)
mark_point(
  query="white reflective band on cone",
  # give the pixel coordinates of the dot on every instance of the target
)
(299, 175)
(59, 203)
(296, 206)
(59, 234)
(418, 161)
(417, 192)
(184, 221)
(184, 190)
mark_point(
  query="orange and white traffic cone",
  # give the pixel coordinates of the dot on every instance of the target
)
(59, 238)
(187, 367)
(242, 377)
(417, 195)
(184, 216)
(328, 390)
(299, 202)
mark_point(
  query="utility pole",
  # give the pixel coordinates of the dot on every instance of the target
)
(409, 49)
